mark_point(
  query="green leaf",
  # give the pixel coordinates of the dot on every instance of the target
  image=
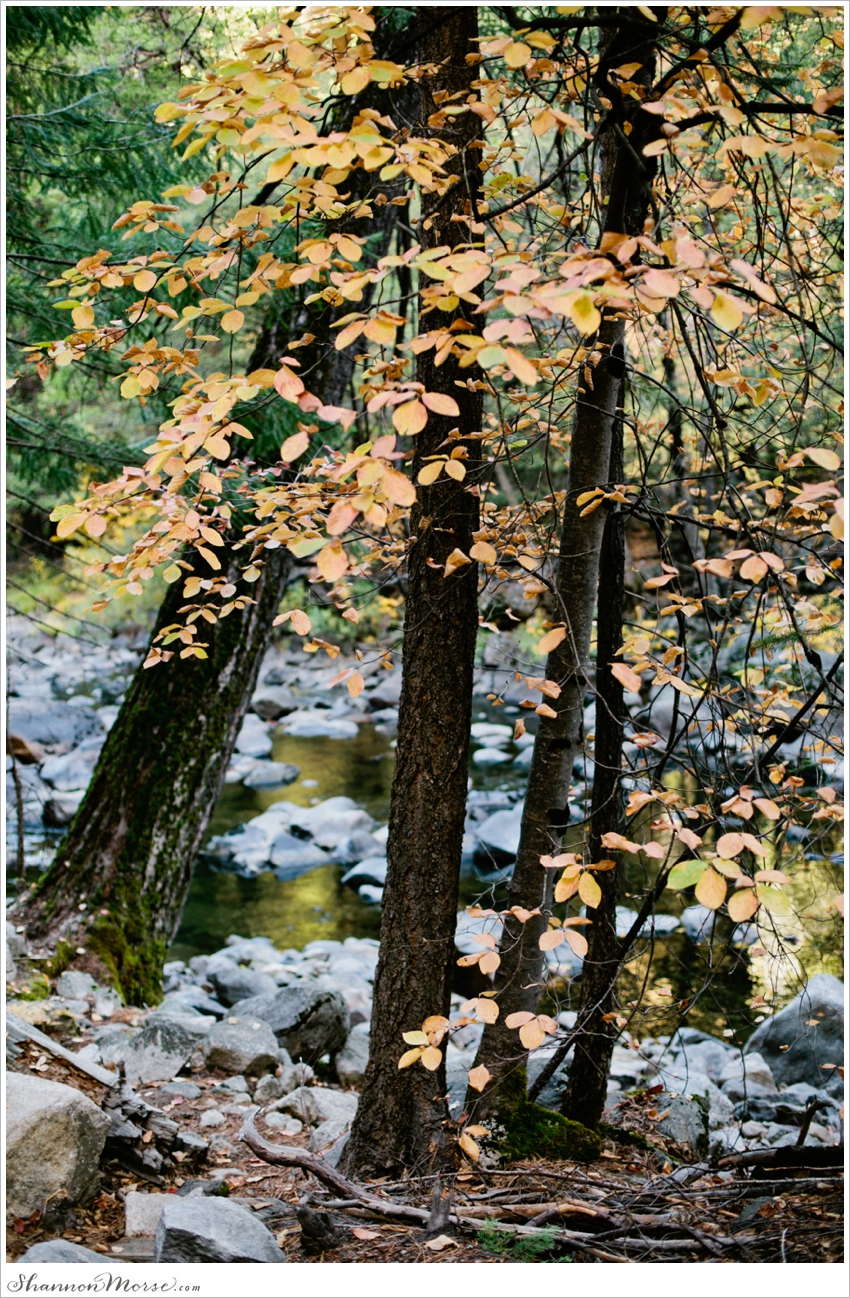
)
(301, 549)
(685, 874)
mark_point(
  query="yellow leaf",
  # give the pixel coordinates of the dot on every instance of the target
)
(768, 808)
(726, 312)
(820, 455)
(489, 962)
(547, 941)
(82, 316)
(442, 1242)
(287, 384)
(517, 54)
(410, 418)
(470, 1148)
(486, 1009)
(294, 446)
(589, 890)
(552, 639)
(742, 905)
(627, 678)
(172, 573)
(430, 472)
(144, 281)
(721, 197)
(355, 684)
(532, 1034)
(418, 1038)
(131, 387)
(478, 1077)
(774, 900)
(711, 889)
(300, 622)
(332, 561)
(441, 404)
(729, 846)
(409, 1057)
(584, 314)
(522, 367)
(210, 556)
(69, 524)
(167, 112)
(457, 559)
(355, 81)
(349, 334)
(397, 488)
(431, 1058)
(217, 446)
(231, 321)
(455, 469)
(577, 941)
(484, 553)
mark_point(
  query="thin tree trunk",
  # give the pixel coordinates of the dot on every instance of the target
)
(402, 1116)
(584, 1098)
(625, 191)
(120, 877)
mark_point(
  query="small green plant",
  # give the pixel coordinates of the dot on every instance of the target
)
(495, 1238)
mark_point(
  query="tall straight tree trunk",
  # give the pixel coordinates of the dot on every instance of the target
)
(624, 189)
(120, 877)
(402, 1116)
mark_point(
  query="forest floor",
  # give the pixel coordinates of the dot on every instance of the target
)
(636, 1203)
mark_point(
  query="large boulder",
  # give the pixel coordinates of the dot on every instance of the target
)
(233, 983)
(54, 1139)
(199, 1228)
(254, 739)
(307, 1020)
(51, 722)
(806, 1034)
(242, 1044)
(70, 771)
(351, 1061)
(498, 835)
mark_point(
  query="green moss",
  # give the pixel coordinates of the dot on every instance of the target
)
(61, 959)
(37, 989)
(534, 1132)
(133, 958)
(622, 1136)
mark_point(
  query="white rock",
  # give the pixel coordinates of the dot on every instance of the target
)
(490, 757)
(254, 739)
(142, 1212)
(212, 1118)
(54, 1139)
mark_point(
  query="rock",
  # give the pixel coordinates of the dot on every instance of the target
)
(368, 893)
(62, 1250)
(386, 693)
(351, 1061)
(686, 1123)
(54, 1139)
(749, 1071)
(206, 1229)
(61, 810)
(291, 856)
(268, 1088)
(271, 775)
(331, 831)
(498, 835)
(491, 732)
(318, 724)
(697, 921)
(106, 1002)
(329, 1104)
(300, 1103)
(113, 1043)
(812, 1026)
(373, 870)
(523, 760)
(327, 1134)
(50, 722)
(307, 1021)
(490, 757)
(358, 847)
(231, 1086)
(254, 739)
(186, 1090)
(236, 984)
(271, 702)
(142, 1212)
(243, 1044)
(159, 1051)
(212, 1118)
(75, 985)
(15, 942)
(286, 1126)
(71, 770)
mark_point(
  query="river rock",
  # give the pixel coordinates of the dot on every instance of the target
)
(317, 723)
(268, 1088)
(161, 1048)
(242, 1044)
(499, 834)
(386, 693)
(271, 702)
(75, 985)
(233, 984)
(205, 1229)
(60, 811)
(357, 847)
(371, 870)
(62, 1250)
(282, 1124)
(50, 722)
(697, 921)
(71, 771)
(254, 739)
(491, 732)
(811, 1026)
(490, 757)
(351, 1061)
(54, 1139)
(271, 775)
(308, 1021)
(686, 1123)
(746, 1077)
(293, 856)
(142, 1213)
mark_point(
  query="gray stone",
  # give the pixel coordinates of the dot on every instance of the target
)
(300, 1103)
(372, 870)
(231, 1086)
(271, 775)
(271, 702)
(75, 985)
(370, 894)
(70, 771)
(288, 863)
(186, 1090)
(327, 1134)
(351, 1061)
(51, 722)
(15, 941)
(60, 810)
(193, 998)
(113, 1043)
(206, 1229)
(686, 1123)
(498, 835)
(308, 1021)
(329, 1104)
(287, 1126)
(233, 983)
(142, 1212)
(812, 1026)
(697, 921)
(750, 1069)
(159, 1051)
(254, 739)
(318, 724)
(268, 1088)
(490, 757)
(106, 1002)
(212, 1118)
(62, 1250)
(386, 693)
(54, 1139)
(357, 847)
(243, 1044)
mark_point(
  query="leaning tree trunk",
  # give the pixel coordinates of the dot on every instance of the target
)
(625, 192)
(119, 880)
(402, 1115)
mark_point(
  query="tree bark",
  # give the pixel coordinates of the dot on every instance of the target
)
(402, 1116)
(120, 877)
(624, 189)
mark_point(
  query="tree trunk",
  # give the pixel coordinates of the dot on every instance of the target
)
(402, 1115)
(120, 877)
(625, 191)
(585, 1095)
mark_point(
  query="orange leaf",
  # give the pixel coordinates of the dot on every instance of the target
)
(489, 962)
(441, 403)
(589, 890)
(410, 418)
(730, 845)
(293, 447)
(287, 384)
(711, 889)
(627, 678)
(355, 684)
(742, 905)
(332, 561)
(548, 941)
(552, 639)
(478, 1077)
(432, 1058)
